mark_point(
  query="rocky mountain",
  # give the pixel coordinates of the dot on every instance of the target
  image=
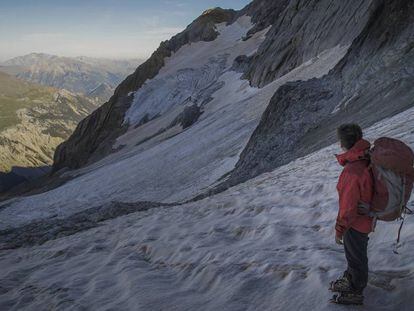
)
(34, 120)
(78, 74)
(207, 181)
(98, 131)
(295, 34)
(372, 81)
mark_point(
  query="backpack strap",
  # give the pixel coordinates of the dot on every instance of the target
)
(403, 209)
(374, 221)
(397, 244)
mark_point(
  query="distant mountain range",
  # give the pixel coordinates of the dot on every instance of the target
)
(34, 119)
(42, 99)
(85, 75)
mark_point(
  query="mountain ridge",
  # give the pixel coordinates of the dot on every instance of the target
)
(284, 22)
(77, 74)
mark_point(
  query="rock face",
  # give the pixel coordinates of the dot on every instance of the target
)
(77, 74)
(374, 80)
(188, 117)
(94, 136)
(301, 30)
(264, 13)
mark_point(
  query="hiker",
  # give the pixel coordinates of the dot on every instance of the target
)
(355, 185)
(375, 184)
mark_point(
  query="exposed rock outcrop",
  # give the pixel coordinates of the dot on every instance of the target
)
(263, 13)
(300, 31)
(188, 117)
(373, 81)
(95, 135)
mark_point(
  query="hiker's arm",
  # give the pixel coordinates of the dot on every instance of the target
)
(348, 205)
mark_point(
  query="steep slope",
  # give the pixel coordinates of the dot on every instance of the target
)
(94, 136)
(77, 74)
(34, 120)
(266, 244)
(375, 79)
(301, 30)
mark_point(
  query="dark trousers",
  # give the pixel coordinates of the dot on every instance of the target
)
(355, 245)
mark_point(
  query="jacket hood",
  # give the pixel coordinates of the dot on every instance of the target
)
(357, 152)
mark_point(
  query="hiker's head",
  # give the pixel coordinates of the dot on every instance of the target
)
(348, 134)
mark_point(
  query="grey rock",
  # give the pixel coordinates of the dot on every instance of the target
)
(241, 63)
(303, 29)
(188, 117)
(373, 81)
(264, 13)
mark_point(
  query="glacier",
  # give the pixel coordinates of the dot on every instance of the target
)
(266, 244)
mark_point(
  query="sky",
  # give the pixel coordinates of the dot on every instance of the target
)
(96, 28)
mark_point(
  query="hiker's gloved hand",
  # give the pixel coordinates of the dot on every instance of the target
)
(338, 240)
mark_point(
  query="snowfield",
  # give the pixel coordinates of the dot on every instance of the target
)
(267, 244)
(186, 164)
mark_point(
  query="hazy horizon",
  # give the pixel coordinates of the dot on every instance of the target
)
(76, 56)
(114, 29)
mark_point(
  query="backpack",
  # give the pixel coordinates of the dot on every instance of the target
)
(391, 166)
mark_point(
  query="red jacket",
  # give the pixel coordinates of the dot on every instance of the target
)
(355, 184)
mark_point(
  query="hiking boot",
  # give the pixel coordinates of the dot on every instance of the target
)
(350, 298)
(341, 285)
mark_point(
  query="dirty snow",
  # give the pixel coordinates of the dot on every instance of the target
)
(267, 244)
